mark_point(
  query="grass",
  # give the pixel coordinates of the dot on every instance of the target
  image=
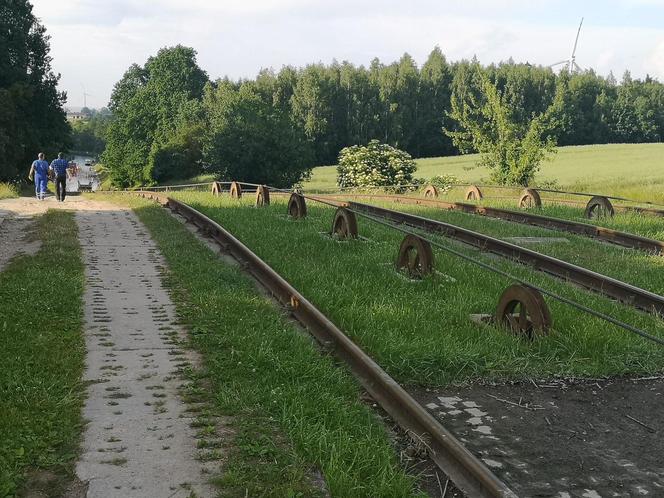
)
(640, 224)
(421, 331)
(627, 170)
(8, 191)
(293, 409)
(42, 357)
(636, 267)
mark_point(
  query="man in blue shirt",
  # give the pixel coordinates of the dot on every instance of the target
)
(59, 167)
(40, 170)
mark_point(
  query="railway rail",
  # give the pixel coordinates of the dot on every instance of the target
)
(584, 229)
(467, 472)
(602, 284)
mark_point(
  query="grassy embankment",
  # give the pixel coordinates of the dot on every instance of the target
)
(421, 332)
(293, 408)
(8, 191)
(42, 359)
(627, 170)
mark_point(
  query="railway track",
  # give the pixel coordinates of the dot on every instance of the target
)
(609, 235)
(467, 472)
(602, 284)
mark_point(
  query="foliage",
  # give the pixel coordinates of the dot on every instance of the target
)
(89, 135)
(374, 165)
(339, 104)
(511, 146)
(443, 183)
(8, 190)
(149, 105)
(250, 139)
(32, 118)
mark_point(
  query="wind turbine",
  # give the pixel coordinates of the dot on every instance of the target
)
(85, 96)
(572, 66)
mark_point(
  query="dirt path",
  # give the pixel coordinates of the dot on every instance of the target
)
(138, 441)
(13, 231)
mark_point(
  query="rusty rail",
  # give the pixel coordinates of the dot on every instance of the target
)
(617, 237)
(621, 291)
(466, 471)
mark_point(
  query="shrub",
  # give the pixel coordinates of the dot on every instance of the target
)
(374, 165)
(443, 182)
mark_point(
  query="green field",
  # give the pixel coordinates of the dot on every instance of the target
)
(629, 170)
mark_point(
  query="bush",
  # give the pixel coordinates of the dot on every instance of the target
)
(248, 138)
(443, 182)
(374, 165)
(179, 157)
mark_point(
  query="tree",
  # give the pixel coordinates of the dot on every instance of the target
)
(32, 118)
(434, 101)
(250, 139)
(149, 104)
(510, 148)
(89, 136)
(313, 107)
(582, 119)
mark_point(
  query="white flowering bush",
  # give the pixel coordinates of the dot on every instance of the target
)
(374, 165)
(443, 183)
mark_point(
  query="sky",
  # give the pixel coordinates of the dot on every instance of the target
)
(93, 42)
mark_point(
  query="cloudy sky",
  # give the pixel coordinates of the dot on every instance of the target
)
(94, 41)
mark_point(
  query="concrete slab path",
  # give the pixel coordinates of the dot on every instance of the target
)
(138, 441)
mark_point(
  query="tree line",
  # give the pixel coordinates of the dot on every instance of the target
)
(171, 121)
(168, 119)
(32, 118)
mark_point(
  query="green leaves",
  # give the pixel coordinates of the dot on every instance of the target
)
(252, 139)
(151, 137)
(31, 115)
(374, 165)
(511, 143)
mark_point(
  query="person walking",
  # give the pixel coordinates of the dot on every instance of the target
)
(59, 168)
(39, 170)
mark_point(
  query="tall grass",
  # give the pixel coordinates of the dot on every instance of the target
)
(627, 170)
(8, 191)
(42, 356)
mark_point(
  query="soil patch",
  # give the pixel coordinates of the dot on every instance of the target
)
(563, 437)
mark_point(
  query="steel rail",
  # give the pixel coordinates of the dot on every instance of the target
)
(617, 237)
(467, 472)
(602, 284)
(554, 191)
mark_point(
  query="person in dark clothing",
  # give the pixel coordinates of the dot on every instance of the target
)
(59, 168)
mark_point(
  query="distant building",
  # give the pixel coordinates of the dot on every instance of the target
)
(77, 116)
